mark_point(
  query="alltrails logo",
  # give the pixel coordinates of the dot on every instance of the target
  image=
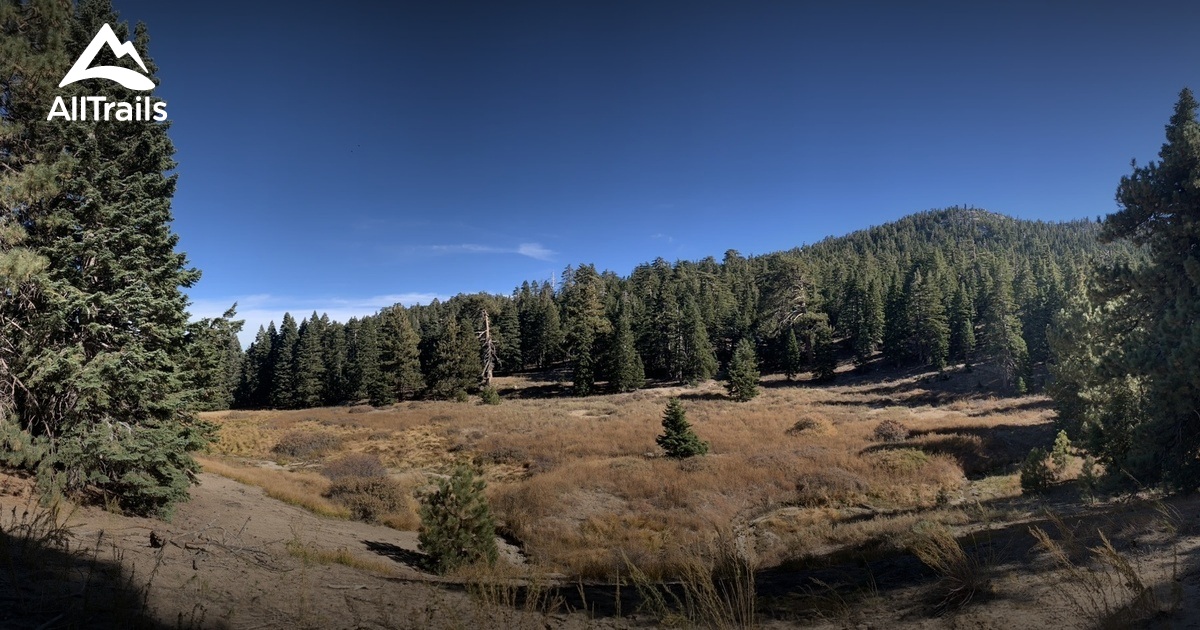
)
(99, 107)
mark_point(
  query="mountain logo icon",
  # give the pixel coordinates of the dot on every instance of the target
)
(124, 76)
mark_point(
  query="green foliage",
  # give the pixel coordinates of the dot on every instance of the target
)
(1126, 354)
(1036, 475)
(96, 359)
(824, 353)
(489, 396)
(455, 366)
(626, 371)
(400, 353)
(1061, 452)
(793, 361)
(678, 439)
(456, 524)
(742, 377)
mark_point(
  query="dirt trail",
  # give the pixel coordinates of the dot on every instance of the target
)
(224, 562)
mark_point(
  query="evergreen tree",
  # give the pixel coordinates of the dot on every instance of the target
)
(374, 387)
(825, 353)
(455, 366)
(283, 386)
(678, 439)
(212, 361)
(793, 360)
(699, 360)
(93, 313)
(457, 527)
(627, 373)
(1160, 211)
(336, 358)
(400, 353)
(309, 365)
(583, 305)
(1002, 340)
(742, 383)
(962, 325)
(927, 325)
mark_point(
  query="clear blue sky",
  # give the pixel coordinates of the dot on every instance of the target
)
(343, 156)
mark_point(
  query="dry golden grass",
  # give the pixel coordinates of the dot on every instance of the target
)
(303, 489)
(581, 483)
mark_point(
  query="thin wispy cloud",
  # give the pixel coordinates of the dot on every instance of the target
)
(530, 250)
(262, 309)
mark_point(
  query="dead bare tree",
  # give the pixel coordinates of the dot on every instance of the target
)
(488, 346)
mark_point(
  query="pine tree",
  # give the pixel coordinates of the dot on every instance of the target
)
(962, 325)
(309, 365)
(455, 366)
(583, 305)
(98, 337)
(699, 360)
(626, 372)
(400, 353)
(927, 325)
(793, 360)
(336, 358)
(211, 361)
(283, 386)
(1002, 340)
(824, 353)
(1160, 210)
(742, 383)
(678, 439)
(367, 364)
(457, 527)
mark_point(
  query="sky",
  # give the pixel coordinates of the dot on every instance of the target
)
(343, 157)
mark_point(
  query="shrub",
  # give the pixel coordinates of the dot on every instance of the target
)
(368, 498)
(1036, 475)
(489, 396)
(461, 395)
(891, 431)
(678, 439)
(355, 465)
(1089, 479)
(306, 444)
(811, 423)
(456, 524)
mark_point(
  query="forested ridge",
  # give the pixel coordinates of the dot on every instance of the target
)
(958, 285)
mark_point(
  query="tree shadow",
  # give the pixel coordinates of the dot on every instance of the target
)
(407, 557)
(45, 583)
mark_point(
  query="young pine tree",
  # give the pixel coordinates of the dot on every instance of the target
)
(678, 439)
(742, 383)
(793, 359)
(457, 528)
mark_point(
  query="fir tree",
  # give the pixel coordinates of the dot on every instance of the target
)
(962, 325)
(678, 439)
(825, 353)
(400, 353)
(95, 345)
(627, 373)
(742, 383)
(1002, 340)
(793, 360)
(283, 385)
(212, 361)
(1160, 211)
(308, 364)
(455, 366)
(699, 360)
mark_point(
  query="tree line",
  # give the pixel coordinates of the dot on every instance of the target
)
(952, 286)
